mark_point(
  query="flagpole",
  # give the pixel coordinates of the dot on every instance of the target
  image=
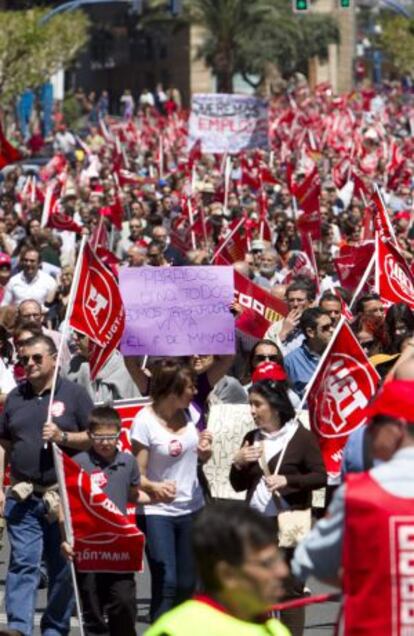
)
(320, 363)
(227, 173)
(230, 236)
(161, 157)
(46, 206)
(68, 530)
(65, 330)
(377, 269)
(363, 281)
(191, 216)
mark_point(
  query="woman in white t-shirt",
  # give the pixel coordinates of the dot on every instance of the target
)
(168, 447)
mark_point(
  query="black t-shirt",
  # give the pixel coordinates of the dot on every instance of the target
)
(113, 478)
(22, 422)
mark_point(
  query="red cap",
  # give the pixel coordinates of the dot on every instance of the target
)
(395, 399)
(403, 214)
(269, 371)
(5, 259)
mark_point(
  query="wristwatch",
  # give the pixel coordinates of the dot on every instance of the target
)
(64, 438)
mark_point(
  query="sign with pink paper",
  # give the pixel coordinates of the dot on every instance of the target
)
(177, 311)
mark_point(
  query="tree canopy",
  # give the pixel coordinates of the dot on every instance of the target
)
(242, 36)
(397, 40)
(31, 51)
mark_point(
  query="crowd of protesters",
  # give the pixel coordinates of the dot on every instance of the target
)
(143, 199)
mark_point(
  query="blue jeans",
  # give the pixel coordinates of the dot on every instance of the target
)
(29, 531)
(170, 559)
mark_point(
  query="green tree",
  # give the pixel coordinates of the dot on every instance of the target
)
(397, 40)
(32, 50)
(242, 36)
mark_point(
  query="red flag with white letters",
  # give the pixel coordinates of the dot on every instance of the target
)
(341, 388)
(98, 311)
(260, 309)
(103, 538)
(395, 281)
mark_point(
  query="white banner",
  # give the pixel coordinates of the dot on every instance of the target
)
(228, 123)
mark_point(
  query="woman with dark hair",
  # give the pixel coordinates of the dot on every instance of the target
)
(399, 324)
(279, 464)
(168, 448)
(268, 351)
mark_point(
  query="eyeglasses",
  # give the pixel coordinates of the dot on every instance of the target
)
(36, 357)
(260, 357)
(104, 438)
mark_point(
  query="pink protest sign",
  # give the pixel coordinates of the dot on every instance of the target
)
(177, 311)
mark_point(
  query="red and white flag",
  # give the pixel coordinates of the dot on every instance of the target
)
(261, 309)
(104, 539)
(307, 195)
(52, 215)
(98, 311)
(394, 279)
(340, 390)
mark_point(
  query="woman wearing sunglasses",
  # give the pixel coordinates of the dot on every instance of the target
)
(268, 351)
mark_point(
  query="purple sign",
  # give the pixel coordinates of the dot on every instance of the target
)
(177, 311)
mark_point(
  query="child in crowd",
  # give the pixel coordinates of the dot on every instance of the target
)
(108, 599)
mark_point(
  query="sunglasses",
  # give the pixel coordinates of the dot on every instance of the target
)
(104, 438)
(260, 357)
(36, 357)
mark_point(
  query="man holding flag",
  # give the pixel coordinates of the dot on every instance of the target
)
(31, 506)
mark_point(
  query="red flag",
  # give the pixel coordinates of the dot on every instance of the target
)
(261, 309)
(352, 263)
(98, 311)
(114, 212)
(8, 153)
(395, 281)
(344, 384)
(382, 221)
(235, 247)
(104, 538)
(52, 215)
(307, 195)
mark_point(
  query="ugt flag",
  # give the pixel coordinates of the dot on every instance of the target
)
(341, 388)
(104, 540)
(98, 311)
(260, 309)
(394, 279)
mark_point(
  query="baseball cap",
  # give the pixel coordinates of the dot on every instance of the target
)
(257, 244)
(5, 259)
(395, 399)
(269, 371)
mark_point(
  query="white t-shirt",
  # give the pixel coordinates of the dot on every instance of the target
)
(171, 457)
(7, 381)
(19, 288)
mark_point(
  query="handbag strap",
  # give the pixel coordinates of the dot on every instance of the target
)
(262, 461)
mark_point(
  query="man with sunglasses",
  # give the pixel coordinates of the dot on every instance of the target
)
(300, 364)
(31, 502)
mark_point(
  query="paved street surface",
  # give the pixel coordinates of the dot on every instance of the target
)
(320, 619)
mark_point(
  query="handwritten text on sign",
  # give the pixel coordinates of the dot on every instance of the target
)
(228, 123)
(172, 311)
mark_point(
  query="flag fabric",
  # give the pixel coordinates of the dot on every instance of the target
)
(233, 247)
(394, 278)
(382, 223)
(344, 383)
(104, 539)
(98, 311)
(52, 215)
(8, 153)
(307, 195)
(261, 309)
(351, 264)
